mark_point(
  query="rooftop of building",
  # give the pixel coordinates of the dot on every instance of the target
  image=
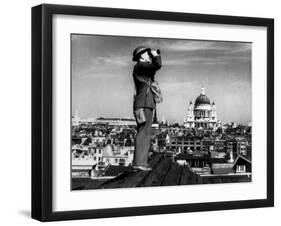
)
(164, 172)
(116, 119)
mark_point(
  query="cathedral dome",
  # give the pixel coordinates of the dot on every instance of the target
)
(202, 100)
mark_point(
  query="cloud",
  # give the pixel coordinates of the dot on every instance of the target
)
(199, 52)
(98, 66)
(177, 86)
(194, 45)
(203, 60)
(177, 45)
(117, 60)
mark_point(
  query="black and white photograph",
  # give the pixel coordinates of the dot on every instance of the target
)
(145, 112)
(152, 112)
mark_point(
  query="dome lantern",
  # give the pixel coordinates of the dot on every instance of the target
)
(202, 90)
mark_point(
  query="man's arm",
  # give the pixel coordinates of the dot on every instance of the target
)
(157, 61)
(154, 65)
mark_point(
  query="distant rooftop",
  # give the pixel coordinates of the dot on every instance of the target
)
(116, 119)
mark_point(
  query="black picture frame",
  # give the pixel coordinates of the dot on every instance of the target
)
(42, 111)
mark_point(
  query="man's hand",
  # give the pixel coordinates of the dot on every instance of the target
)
(146, 57)
(154, 52)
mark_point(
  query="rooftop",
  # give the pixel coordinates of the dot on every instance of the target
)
(164, 172)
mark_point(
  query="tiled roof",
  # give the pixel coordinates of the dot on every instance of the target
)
(116, 170)
(244, 158)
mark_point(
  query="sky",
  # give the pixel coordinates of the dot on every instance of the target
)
(102, 83)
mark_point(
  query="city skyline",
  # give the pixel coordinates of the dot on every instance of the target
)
(102, 84)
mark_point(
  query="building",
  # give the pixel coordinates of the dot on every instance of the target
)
(199, 164)
(82, 161)
(202, 114)
(186, 144)
(242, 165)
(75, 119)
(241, 146)
(96, 153)
(222, 168)
(98, 140)
(155, 123)
(115, 121)
(231, 149)
(236, 146)
(219, 145)
(208, 144)
(117, 155)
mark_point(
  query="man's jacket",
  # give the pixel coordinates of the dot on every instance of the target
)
(143, 75)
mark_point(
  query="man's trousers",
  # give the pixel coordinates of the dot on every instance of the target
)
(142, 140)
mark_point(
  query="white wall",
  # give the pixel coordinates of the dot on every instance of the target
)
(15, 89)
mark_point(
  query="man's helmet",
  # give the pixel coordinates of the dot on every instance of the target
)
(138, 51)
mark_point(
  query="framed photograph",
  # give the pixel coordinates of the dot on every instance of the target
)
(146, 112)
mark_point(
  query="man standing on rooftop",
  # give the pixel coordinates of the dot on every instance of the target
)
(148, 61)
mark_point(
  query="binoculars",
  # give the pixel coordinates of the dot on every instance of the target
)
(157, 51)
